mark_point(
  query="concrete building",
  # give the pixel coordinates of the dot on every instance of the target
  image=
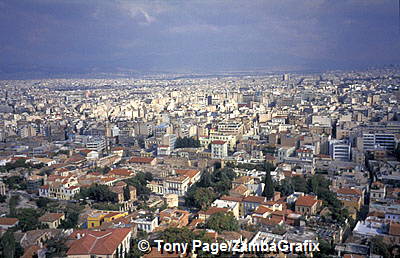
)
(219, 149)
(340, 150)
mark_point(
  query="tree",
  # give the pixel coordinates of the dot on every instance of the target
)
(185, 235)
(103, 170)
(299, 184)
(139, 181)
(187, 142)
(397, 152)
(379, 247)
(204, 197)
(12, 203)
(127, 193)
(71, 220)
(43, 202)
(285, 187)
(205, 180)
(72, 211)
(7, 244)
(222, 221)
(269, 185)
(100, 193)
(106, 206)
(28, 219)
(326, 249)
(222, 180)
(219, 182)
(314, 184)
(15, 182)
(56, 247)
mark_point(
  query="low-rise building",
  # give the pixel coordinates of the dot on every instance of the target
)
(146, 222)
(53, 220)
(307, 205)
(109, 243)
(98, 217)
(6, 223)
(219, 149)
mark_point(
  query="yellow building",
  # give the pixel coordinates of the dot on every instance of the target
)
(53, 220)
(214, 136)
(352, 199)
(97, 218)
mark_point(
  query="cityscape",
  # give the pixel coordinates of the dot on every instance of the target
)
(281, 161)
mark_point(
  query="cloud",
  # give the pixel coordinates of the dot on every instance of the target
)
(155, 34)
(144, 13)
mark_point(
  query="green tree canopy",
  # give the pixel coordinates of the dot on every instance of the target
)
(9, 247)
(139, 181)
(212, 185)
(204, 197)
(8, 244)
(28, 219)
(299, 184)
(269, 188)
(72, 211)
(56, 247)
(185, 235)
(379, 247)
(222, 221)
(12, 203)
(187, 142)
(285, 187)
(99, 193)
(15, 182)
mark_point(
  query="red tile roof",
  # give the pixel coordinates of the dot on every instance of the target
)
(97, 242)
(141, 160)
(118, 149)
(256, 199)
(213, 210)
(262, 210)
(378, 214)
(231, 198)
(218, 142)
(243, 180)
(349, 191)
(51, 217)
(240, 189)
(306, 201)
(121, 172)
(85, 151)
(270, 221)
(187, 172)
(30, 251)
(8, 221)
(394, 229)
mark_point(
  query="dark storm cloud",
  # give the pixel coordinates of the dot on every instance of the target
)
(197, 35)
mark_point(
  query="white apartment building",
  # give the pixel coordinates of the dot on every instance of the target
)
(372, 141)
(219, 149)
(340, 150)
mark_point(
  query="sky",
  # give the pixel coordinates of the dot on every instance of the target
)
(196, 35)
